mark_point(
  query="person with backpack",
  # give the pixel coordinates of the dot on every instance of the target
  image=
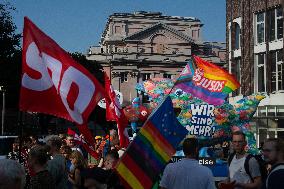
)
(273, 152)
(244, 169)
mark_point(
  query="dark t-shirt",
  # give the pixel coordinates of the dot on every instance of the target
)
(42, 180)
(276, 178)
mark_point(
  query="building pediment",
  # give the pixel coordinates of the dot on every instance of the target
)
(149, 33)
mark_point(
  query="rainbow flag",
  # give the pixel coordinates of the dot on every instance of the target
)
(209, 83)
(152, 148)
(186, 74)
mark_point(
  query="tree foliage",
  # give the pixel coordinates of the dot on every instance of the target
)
(93, 66)
(9, 40)
(10, 56)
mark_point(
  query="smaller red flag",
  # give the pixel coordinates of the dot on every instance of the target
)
(81, 141)
(114, 110)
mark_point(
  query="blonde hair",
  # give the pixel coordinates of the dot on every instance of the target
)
(79, 159)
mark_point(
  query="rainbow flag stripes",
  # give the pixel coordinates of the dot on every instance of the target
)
(152, 148)
(209, 83)
(186, 74)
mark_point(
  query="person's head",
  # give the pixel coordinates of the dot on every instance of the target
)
(98, 139)
(50, 131)
(95, 178)
(273, 150)
(34, 140)
(54, 143)
(239, 142)
(92, 183)
(15, 146)
(28, 142)
(12, 174)
(70, 141)
(111, 159)
(66, 151)
(62, 136)
(38, 156)
(190, 147)
(77, 159)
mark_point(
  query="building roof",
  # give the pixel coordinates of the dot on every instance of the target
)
(145, 14)
(159, 25)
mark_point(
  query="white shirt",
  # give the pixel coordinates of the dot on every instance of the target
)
(238, 173)
(187, 174)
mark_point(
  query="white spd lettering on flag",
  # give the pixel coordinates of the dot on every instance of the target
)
(52, 82)
(71, 75)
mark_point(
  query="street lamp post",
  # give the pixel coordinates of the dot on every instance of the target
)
(3, 109)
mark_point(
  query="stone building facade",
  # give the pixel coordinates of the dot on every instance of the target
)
(138, 46)
(254, 38)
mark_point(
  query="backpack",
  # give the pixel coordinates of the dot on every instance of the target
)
(262, 165)
(279, 167)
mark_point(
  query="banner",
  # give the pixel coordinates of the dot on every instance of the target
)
(52, 82)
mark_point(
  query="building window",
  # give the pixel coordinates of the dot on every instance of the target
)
(237, 72)
(260, 75)
(275, 18)
(260, 27)
(169, 76)
(279, 22)
(195, 34)
(123, 77)
(277, 71)
(237, 36)
(145, 76)
(117, 29)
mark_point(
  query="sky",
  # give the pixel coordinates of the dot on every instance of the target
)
(78, 24)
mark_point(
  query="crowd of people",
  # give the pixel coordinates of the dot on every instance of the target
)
(59, 162)
(246, 171)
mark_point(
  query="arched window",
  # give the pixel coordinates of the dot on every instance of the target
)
(237, 36)
(159, 44)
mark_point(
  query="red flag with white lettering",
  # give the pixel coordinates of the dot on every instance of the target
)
(114, 109)
(53, 83)
(81, 141)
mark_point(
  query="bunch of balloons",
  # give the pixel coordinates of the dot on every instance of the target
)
(136, 113)
(204, 120)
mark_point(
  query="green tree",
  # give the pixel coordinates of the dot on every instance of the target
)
(10, 56)
(9, 40)
(93, 66)
(97, 70)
